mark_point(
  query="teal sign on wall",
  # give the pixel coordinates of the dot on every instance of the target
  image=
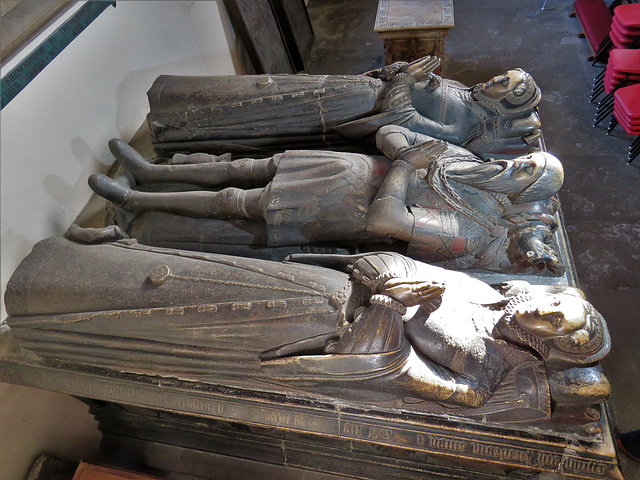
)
(22, 74)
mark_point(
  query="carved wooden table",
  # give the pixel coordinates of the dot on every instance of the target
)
(412, 29)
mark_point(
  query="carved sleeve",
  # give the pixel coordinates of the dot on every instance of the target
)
(420, 150)
(398, 100)
(437, 236)
(388, 214)
(468, 366)
(377, 329)
(430, 380)
(375, 269)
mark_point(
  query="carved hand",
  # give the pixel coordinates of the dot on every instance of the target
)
(387, 72)
(375, 269)
(92, 236)
(402, 78)
(418, 69)
(411, 291)
(422, 154)
(421, 68)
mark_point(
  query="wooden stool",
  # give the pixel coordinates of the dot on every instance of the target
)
(413, 29)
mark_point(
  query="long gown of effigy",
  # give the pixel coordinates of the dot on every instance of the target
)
(256, 113)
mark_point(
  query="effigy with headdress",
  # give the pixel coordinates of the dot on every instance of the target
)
(252, 115)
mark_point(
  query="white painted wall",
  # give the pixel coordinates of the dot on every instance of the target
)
(54, 135)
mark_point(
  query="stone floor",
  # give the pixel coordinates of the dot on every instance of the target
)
(600, 197)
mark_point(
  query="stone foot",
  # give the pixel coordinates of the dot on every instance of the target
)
(131, 159)
(110, 189)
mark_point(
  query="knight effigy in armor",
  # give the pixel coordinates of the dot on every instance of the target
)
(432, 200)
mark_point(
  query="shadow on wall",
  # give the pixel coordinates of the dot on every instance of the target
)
(59, 189)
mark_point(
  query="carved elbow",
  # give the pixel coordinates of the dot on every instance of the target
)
(386, 216)
(477, 400)
(390, 129)
(470, 395)
(382, 226)
(391, 139)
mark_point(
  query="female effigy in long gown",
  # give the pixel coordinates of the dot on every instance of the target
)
(371, 327)
(256, 114)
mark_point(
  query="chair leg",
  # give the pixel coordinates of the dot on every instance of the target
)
(612, 124)
(597, 88)
(603, 43)
(601, 114)
(602, 54)
(634, 149)
(605, 107)
(606, 101)
(595, 93)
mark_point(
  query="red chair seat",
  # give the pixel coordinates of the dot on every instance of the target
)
(623, 117)
(622, 30)
(620, 41)
(630, 97)
(626, 108)
(595, 19)
(625, 59)
(610, 84)
(628, 15)
(623, 64)
(622, 76)
(627, 128)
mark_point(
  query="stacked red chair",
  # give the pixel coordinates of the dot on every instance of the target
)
(622, 69)
(625, 26)
(595, 19)
(624, 32)
(626, 113)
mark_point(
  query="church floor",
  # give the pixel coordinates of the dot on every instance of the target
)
(600, 197)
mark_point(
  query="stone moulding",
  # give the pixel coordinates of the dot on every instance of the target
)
(431, 438)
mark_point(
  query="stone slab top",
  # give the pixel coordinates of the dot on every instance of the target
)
(413, 14)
